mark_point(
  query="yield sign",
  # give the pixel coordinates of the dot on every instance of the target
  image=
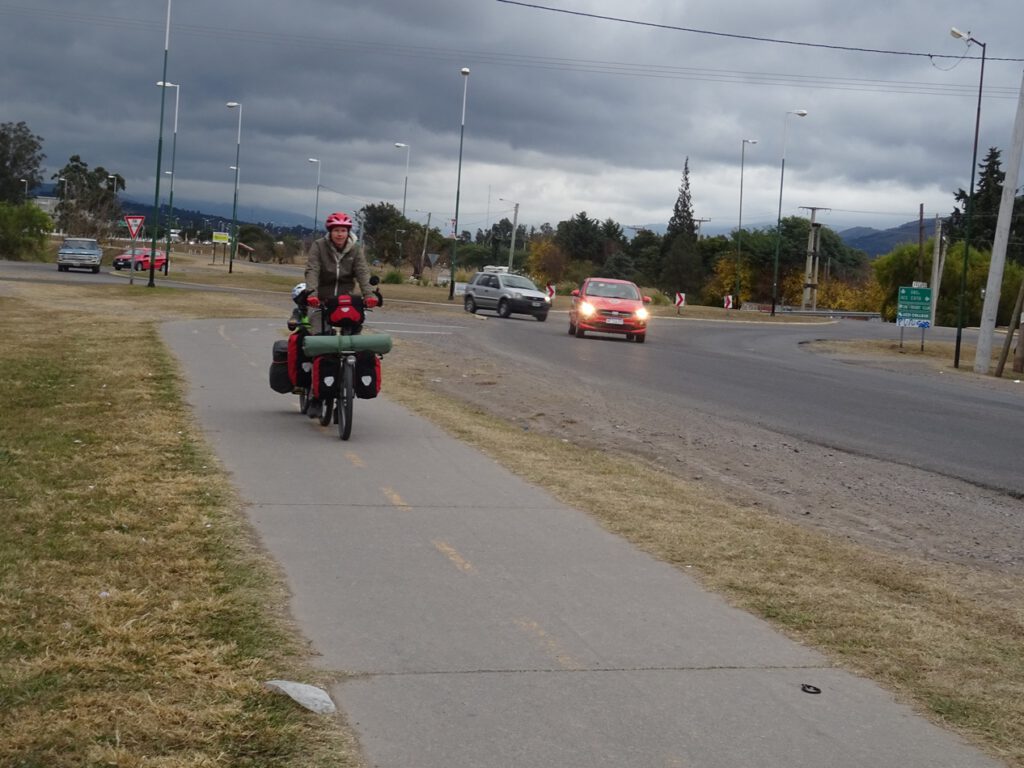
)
(134, 225)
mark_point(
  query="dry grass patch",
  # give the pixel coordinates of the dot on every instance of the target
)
(944, 638)
(137, 618)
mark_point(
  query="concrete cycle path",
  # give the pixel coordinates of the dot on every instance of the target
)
(478, 622)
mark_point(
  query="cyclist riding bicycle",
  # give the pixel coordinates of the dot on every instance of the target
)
(335, 264)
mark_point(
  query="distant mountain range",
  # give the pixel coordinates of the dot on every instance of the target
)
(875, 242)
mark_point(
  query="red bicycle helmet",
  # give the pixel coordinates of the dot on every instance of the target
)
(338, 219)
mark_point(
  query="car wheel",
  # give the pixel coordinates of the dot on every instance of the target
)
(138, 266)
(503, 308)
(469, 305)
(572, 328)
(95, 270)
(640, 337)
(542, 318)
(117, 267)
(579, 332)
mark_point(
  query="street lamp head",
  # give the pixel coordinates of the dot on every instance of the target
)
(166, 84)
(401, 145)
(314, 159)
(750, 141)
(233, 104)
(232, 167)
(954, 32)
(465, 71)
(799, 112)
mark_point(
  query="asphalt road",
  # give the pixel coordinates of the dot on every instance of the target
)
(761, 375)
(481, 623)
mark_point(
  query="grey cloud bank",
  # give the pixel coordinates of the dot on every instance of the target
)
(565, 113)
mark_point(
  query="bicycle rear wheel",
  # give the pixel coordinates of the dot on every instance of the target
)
(345, 399)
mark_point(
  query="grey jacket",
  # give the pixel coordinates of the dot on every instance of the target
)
(332, 272)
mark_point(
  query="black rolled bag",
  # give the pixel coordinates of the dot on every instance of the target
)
(280, 380)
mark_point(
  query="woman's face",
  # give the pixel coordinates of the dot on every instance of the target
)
(339, 235)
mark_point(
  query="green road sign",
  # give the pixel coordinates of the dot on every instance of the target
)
(914, 307)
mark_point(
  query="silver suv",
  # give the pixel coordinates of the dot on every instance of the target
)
(494, 288)
(80, 253)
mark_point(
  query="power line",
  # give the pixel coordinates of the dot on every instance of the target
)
(755, 38)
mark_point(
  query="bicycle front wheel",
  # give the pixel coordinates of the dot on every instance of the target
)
(345, 398)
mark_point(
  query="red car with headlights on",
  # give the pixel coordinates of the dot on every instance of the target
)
(609, 306)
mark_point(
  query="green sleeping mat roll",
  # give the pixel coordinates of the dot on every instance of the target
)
(332, 345)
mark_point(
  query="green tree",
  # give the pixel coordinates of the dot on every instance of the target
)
(23, 231)
(619, 265)
(985, 210)
(257, 238)
(383, 228)
(546, 261)
(88, 204)
(580, 238)
(645, 249)
(21, 157)
(682, 222)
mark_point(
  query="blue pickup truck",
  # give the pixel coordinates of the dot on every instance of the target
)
(80, 253)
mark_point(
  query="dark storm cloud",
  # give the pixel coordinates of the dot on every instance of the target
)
(564, 113)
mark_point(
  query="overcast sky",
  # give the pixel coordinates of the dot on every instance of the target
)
(565, 112)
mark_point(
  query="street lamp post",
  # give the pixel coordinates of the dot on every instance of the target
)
(970, 198)
(458, 182)
(159, 152)
(405, 189)
(64, 199)
(174, 152)
(25, 182)
(515, 222)
(316, 205)
(234, 205)
(778, 229)
(739, 228)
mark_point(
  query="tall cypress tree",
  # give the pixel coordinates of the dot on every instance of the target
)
(682, 222)
(680, 269)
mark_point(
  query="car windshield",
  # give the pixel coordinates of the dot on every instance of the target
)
(518, 281)
(612, 290)
(89, 245)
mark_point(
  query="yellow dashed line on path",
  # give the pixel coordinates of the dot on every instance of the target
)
(449, 551)
(394, 498)
(355, 458)
(549, 644)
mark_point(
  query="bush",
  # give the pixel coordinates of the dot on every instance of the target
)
(23, 231)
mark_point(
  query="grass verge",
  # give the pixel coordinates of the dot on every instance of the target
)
(138, 620)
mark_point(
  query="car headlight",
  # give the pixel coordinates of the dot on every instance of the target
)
(516, 295)
(642, 313)
(586, 308)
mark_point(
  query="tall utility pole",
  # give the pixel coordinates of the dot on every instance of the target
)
(512, 247)
(983, 352)
(698, 222)
(920, 242)
(810, 295)
(938, 264)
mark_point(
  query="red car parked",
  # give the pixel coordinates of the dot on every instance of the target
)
(609, 306)
(138, 259)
